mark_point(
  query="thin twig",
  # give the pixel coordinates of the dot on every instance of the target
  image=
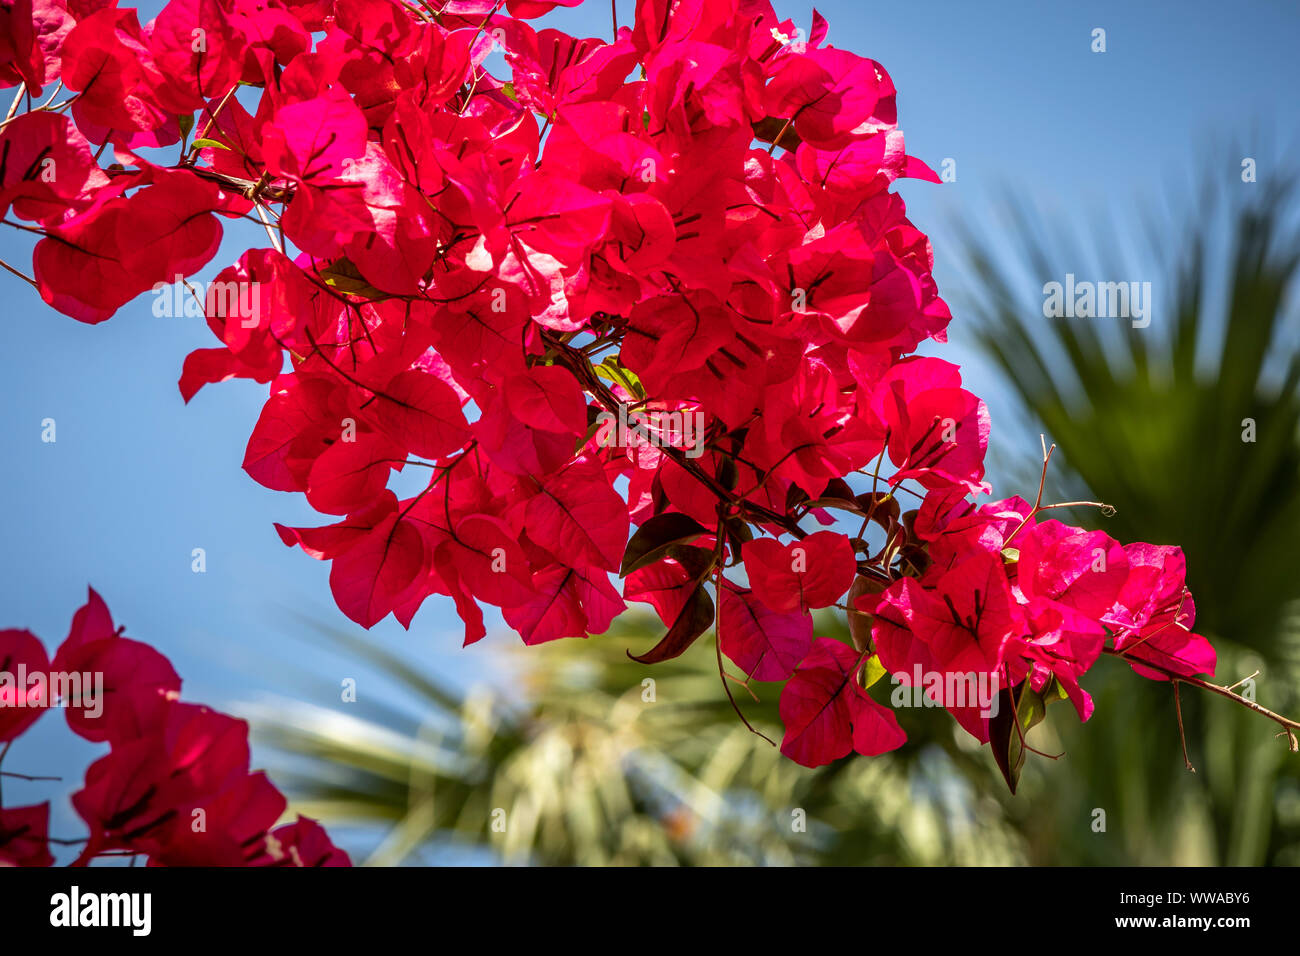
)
(1182, 735)
(193, 155)
(261, 214)
(18, 98)
(26, 278)
(1243, 680)
(1206, 685)
(717, 633)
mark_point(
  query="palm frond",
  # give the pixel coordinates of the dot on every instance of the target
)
(1156, 421)
(598, 760)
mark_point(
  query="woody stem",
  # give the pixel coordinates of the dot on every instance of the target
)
(1287, 722)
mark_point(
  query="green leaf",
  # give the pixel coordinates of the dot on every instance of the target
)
(769, 128)
(208, 143)
(581, 443)
(1006, 742)
(840, 504)
(695, 618)
(1055, 690)
(653, 539)
(186, 122)
(872, 671)
(612, 371)
(342, 275)
(738, 533)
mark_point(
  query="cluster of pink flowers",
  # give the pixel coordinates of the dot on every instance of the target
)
(695, 218)
(1016, 598)
(175, 786)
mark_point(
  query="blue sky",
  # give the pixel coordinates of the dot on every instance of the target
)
(1011, 91)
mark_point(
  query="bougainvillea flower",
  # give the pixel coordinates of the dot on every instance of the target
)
(46, 169)
(23, 832)
(231, 828)
(175, 784)
(808, 573)
(962, 624)
(1153, 616)
(21, 60)
(832, 96)
(22, 700)
(106, 60)
(199, 52)
(90, 265)
(303, 843)
(826, 712)
(132, 684)
(764, 643)
(1082, 569)
(143, 788)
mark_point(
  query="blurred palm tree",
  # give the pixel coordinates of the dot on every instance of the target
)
(1190, 428)
(590, 758)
